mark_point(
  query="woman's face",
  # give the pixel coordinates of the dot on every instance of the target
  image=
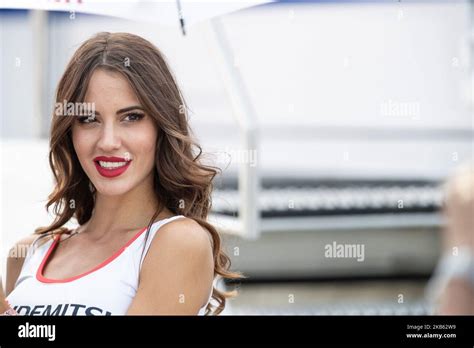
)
(121, 130)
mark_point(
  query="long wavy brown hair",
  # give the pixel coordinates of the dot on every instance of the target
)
(184, 183)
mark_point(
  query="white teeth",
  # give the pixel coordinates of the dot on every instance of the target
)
(112, 165)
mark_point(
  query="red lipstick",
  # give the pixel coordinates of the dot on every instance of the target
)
(109, 167)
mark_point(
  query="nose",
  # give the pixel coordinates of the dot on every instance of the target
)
(109, 138)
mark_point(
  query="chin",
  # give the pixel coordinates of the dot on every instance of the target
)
(113, 189)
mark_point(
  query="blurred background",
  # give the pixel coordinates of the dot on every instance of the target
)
(335, 124)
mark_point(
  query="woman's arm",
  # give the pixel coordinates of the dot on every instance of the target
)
(177, 273)
(3, 303)
(5, 308)
(15, 259)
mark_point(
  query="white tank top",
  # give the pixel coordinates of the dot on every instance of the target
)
(107, 289)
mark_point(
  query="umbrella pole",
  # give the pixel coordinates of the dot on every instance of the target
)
(181, 17)
(244, 112)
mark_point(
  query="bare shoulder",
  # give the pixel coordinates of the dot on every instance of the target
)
(186, 232)
(180, 267)
(16, 257)
(26, 242)
(18, 250)
(182, 237)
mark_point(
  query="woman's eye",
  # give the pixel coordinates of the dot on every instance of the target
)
(86, 119)
(134, 117)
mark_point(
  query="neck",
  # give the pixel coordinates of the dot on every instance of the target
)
(128, 212)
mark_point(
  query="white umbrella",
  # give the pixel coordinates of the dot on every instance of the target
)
(164, 12)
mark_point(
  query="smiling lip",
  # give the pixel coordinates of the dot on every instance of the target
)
(111, 172)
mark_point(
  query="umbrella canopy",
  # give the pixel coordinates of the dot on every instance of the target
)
(163, 12)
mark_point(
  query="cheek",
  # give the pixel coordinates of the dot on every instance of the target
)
(144, 143)
(80, 142)
(83, 143)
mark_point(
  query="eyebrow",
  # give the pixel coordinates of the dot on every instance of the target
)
(128, 108)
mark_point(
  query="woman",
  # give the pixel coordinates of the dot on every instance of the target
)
(125, 167)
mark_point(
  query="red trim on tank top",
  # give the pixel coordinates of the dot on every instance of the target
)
(41, 278)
